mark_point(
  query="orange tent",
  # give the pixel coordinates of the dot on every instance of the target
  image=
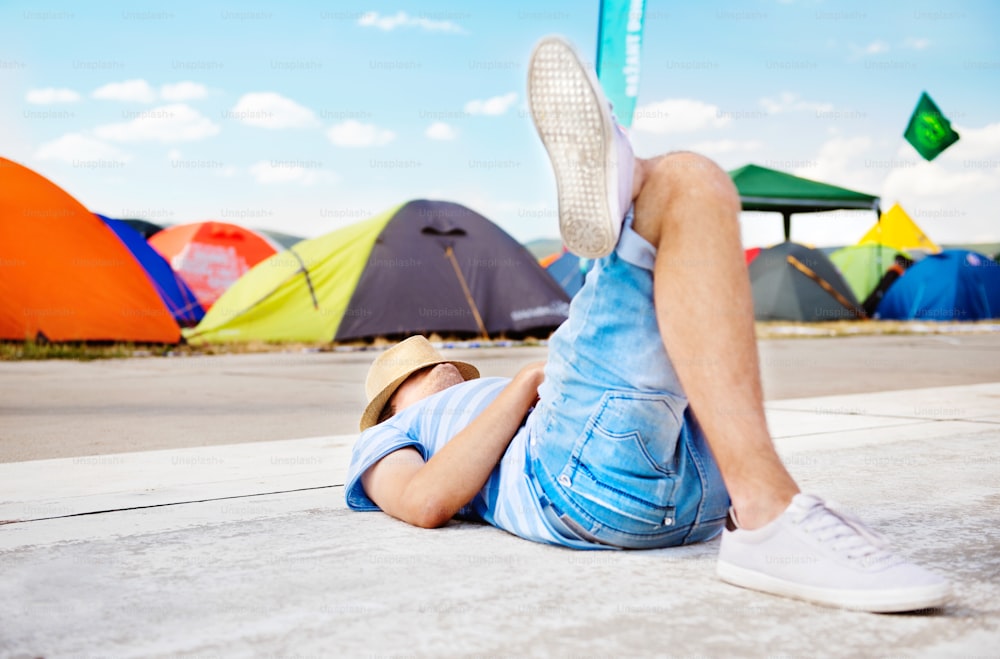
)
(546, 261)
(211, 256)
(64, 275)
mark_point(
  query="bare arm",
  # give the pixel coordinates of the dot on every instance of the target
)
(429, 494)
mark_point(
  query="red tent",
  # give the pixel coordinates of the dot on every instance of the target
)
(211, 256)
(64, 275)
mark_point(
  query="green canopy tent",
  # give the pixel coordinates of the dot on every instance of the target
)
(763, 189)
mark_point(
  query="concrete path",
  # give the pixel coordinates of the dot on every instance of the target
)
(58, 409)
(248, 550)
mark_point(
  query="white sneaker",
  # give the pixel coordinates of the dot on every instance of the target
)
(820, 554)
(590, 153)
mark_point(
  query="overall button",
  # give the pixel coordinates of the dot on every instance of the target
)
(564, 480)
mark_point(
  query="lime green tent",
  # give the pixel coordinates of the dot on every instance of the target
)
(279, 298)
(863, 266)
(763, 189)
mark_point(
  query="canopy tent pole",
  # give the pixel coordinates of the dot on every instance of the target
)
(786, 217)
(450, 253)
(879, 273)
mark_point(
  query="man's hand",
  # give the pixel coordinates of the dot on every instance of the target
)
(531, 377)
(429, 494)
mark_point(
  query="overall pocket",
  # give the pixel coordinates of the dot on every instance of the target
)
(622, 469)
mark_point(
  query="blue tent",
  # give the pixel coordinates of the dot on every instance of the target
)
(173, 291)
(570, 270)
(954, 285)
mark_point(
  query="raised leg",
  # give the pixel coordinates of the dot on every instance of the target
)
(779, 540)
(687, 207)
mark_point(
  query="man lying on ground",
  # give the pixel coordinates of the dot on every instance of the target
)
(645, 427)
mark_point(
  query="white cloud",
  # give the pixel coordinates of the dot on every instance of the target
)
(966, 171)
(916, 43)
(491, 106)
(842, 161)
(402, 19)
(876, 47)
(952, 198)
(268, 172)
(51, 95)
(353, 133)
(271, 110)
(183, 91)
(677, 115)
(168, 123)
(75, 147)
(140, 91)
(719, 147)
(439, 130)
(951, 202)
(936, 179)
(974, 143)
(792, 102)
(174, 154)
(136, 91)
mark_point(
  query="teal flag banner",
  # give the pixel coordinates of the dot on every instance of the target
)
(619, 40)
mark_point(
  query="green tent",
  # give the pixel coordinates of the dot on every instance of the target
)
(863, 266)
(763, 189)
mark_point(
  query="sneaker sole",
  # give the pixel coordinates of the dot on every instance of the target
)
(885, 601)
(576, 130)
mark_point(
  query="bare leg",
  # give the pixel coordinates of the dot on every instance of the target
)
(687, 207)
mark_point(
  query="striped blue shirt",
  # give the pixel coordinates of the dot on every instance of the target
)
(506, 501)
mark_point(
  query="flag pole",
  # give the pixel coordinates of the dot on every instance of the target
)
(600, 37)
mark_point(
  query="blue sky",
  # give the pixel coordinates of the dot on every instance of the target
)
(309, 116)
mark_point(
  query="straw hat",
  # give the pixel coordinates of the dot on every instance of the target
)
(392, 367)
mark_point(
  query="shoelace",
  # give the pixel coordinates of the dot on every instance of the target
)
(845, 534)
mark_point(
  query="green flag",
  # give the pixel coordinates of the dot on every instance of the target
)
(929, 131)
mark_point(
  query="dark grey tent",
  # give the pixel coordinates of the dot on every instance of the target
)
(794, 282)
(418, 268)
(440, 267)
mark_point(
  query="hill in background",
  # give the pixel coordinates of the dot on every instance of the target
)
(542, 247)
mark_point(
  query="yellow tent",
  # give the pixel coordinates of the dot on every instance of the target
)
(897, 229)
